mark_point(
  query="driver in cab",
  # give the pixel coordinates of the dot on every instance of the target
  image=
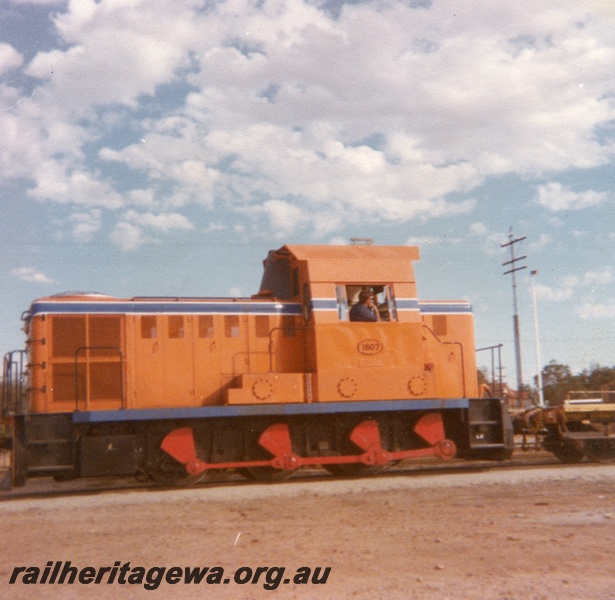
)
(365, 309)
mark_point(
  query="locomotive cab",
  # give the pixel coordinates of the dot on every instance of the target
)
(413, 350)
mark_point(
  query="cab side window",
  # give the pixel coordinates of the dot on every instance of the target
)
(383, 299)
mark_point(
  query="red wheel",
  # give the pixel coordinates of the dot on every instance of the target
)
(167, 471)
(254, 451)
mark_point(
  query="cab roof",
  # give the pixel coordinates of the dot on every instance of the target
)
(358, 263)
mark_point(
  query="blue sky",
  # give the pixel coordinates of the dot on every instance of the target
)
(156, 147)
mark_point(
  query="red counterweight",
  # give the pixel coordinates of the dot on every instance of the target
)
(276, 439)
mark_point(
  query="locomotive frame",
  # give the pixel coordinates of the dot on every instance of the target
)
(175, 388)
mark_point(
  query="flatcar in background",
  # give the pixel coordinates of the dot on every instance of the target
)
(175, 388)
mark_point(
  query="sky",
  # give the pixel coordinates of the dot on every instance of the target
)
(156, 147)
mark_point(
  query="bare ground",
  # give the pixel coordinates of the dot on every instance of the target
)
(545, 533)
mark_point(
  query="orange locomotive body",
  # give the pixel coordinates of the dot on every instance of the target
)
(176, 387)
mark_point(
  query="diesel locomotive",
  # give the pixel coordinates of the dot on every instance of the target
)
(175, 388)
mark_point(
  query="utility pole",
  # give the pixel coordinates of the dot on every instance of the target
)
(513, 269)
(541, 395)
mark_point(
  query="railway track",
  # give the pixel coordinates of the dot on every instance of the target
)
(47, 487)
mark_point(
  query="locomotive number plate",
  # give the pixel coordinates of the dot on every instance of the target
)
(370, 347)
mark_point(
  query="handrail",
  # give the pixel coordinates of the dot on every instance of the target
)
(492, 350)
(463, 366)
(13, 379)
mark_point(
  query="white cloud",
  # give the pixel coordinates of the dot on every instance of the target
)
(491, 240)
(378, 115)
(602, 277)
(131, 232)
(544, 292)
(142, 198)
(556, 197)
(38, 2)
(30, 275)
(128, 237)
(85, 225)
(21, 150)
(544, 240)
(570, 284)
(284, 217)
(479, 229)
(9, 58)
(67, 185)
(117, 52)
(159, 222)
(597, 311)
(444, 240)
(211, 227)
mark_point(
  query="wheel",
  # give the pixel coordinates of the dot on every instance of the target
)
(217, 475)
(499, 455)
(167, 471)
(20, 456)
(602, 451)
(353, 469)
(349, 448)
(176, 480)
(266, 474)
(64, 476)
(142, 477)
(568, 451)
(264, 444)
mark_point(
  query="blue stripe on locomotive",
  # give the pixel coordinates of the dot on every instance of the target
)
(132, 307)
(202, 412)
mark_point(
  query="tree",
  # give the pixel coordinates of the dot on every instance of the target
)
(599, 378)
(557, 381)
(482, 376)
